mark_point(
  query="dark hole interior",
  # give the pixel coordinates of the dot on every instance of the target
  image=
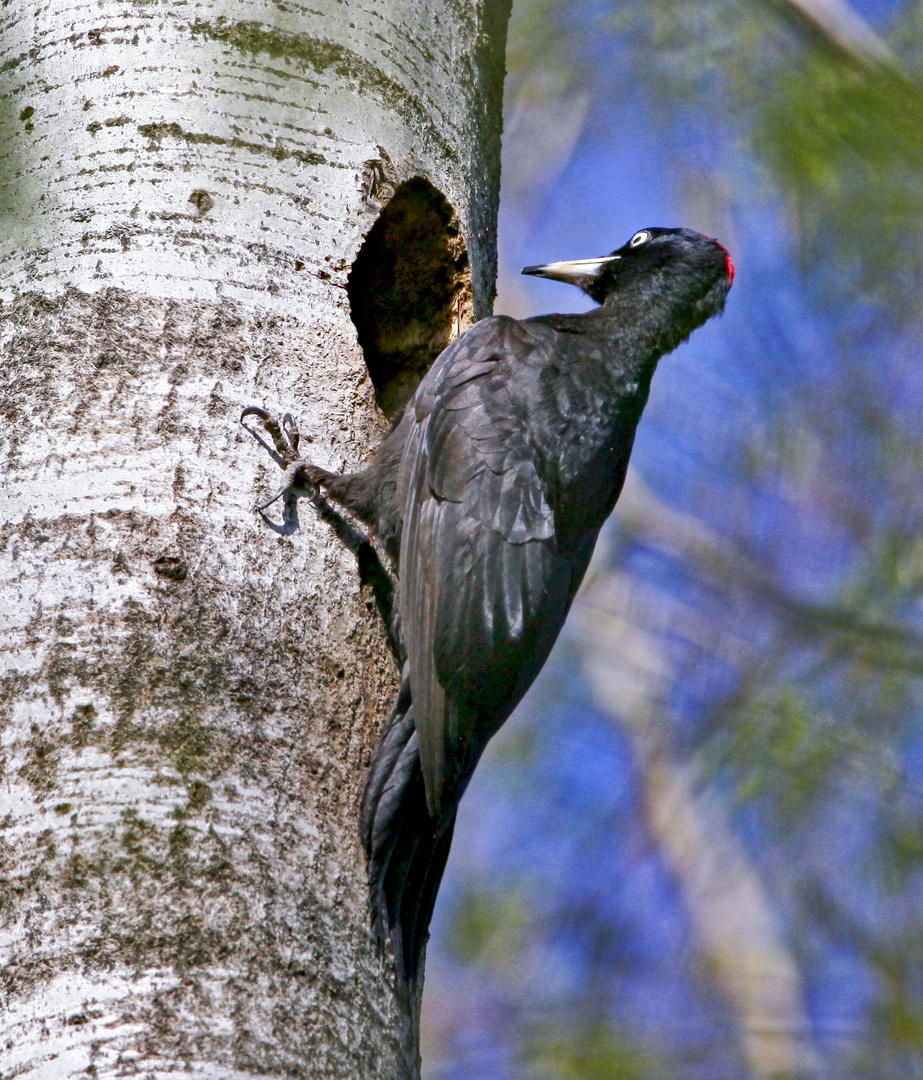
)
(409, 291)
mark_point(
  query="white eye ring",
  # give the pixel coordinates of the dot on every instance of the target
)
(639, 238)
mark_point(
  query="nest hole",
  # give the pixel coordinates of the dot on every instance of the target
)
(409, 291)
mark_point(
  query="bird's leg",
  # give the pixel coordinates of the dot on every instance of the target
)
(372, 572)
(301, 479)
(304, 480)
(284, 435)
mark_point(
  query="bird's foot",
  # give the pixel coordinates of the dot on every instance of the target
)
(301, 479)
(284, 433)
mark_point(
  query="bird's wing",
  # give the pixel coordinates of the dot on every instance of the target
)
(482, 583)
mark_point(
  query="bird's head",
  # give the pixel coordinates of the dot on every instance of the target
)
(677, 264)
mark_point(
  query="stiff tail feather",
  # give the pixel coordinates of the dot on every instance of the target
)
(406, 858)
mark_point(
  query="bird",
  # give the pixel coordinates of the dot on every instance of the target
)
(488, 496)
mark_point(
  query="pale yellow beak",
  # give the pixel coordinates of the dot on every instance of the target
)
(572, 271)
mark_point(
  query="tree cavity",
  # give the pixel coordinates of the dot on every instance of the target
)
(409, 290)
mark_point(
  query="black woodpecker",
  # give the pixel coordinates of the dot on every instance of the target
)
(488, 497)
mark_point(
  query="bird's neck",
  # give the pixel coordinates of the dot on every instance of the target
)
(644, 328)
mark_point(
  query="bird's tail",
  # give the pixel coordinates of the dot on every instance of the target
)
(405, 855)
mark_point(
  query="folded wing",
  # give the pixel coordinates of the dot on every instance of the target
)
(484, 589)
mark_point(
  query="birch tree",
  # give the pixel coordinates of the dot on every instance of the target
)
(188, 694)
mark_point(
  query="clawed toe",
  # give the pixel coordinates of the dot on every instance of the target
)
(301, 479)
(284, 434)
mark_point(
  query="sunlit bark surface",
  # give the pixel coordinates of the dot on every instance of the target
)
(188, 697)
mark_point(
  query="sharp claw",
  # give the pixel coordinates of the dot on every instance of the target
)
(279, 433)
(255, 410)
(278, 495)
(290, 427)
(296, 486)
(301, 479)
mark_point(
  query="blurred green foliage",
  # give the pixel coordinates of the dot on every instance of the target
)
(839, 132)
(778, 751)
(489, 926)
(587, 1051)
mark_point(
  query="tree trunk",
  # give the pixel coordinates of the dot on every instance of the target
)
(188, 696)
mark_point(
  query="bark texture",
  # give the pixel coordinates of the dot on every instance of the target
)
(188, 697)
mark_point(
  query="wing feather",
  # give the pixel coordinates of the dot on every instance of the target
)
(484, 590)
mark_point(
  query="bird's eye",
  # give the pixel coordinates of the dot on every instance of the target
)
(639, 238)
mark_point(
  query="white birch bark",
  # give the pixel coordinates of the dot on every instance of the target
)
(188, 698)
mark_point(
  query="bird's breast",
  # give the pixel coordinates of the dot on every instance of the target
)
(582, 421)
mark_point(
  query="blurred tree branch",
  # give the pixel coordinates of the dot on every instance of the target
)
(838, 25)
(738, 935)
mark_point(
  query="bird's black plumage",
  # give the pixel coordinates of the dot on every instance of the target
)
(489, 495)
